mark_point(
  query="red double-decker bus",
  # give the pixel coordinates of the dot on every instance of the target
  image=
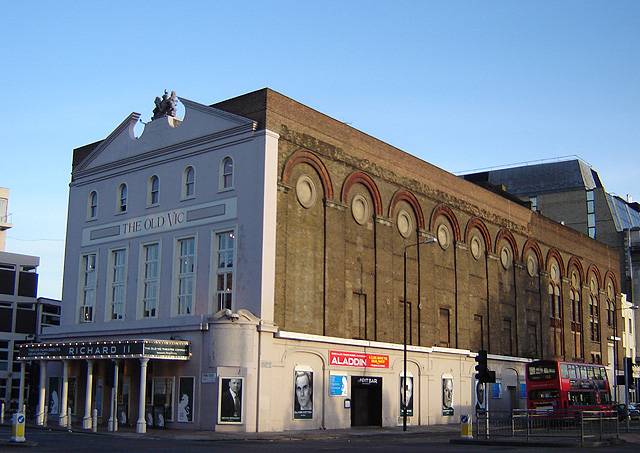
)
(565, 387)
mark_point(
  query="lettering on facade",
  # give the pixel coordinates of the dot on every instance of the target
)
(161, 222)
(160, 349)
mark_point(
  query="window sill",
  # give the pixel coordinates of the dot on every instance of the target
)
(120, 213)
(228, 189)
(150, 206)
(92, 219)
(193, 197)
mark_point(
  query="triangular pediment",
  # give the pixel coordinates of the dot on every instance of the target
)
(200, 121)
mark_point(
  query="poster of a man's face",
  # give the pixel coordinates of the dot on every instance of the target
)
(447, 396)
(230, 400)
(480, 396)
(406, 384)
(185, 402)
(303, 398)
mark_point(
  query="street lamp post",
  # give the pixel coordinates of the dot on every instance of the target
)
(428, 240)
(615, 339)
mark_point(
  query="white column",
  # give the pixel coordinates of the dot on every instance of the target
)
(141, 425)
(42, 393)
(113, 416)
(86, 420)
(65, 394)
(23, 366)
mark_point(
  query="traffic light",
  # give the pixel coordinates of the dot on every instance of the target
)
(481, 365)
(483, 374)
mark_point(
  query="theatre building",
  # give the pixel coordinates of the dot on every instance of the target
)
(242, 269)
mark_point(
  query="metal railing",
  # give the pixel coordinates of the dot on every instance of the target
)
(585, 426)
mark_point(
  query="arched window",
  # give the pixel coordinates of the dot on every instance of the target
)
(122, 198)
(576, 316)
(153, 196)
(189, 182)
(594, 311)
(226, 181)
(611, 307)
(555, 310)
(92, 211)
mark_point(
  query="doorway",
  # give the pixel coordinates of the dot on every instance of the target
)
(366, 401)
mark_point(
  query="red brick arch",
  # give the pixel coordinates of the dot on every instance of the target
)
(531, 244)
(444, 210)
(575, 262)
(408, 197)
(358, 177)
(553, 253)
(507, 236)
(593, 269)
(609, 276)
(475, 222)
(302, 156)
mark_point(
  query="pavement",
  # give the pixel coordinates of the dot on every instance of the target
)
(434, 433)
(442, 432)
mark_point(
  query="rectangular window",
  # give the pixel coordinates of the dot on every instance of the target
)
(478, 336)
(225, 257)
(591, 216)
(444, 328)
(4, 206)
(532, 339)
(533, 200)
(151, 284)
(26, 318)
(186, 275)
(88, 282)
(7, 279)
(359, 316)
(6, 317)
(4, 355)
(28, 284)
(118, 276)
(507, 340)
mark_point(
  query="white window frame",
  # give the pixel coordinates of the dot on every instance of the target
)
(185, 183)
(91, 215)
(151, 192)
(83, 288)
(120, 198)
(111, 285)
(142, 279)
(175, 303)
(213, 278)
(221, 180)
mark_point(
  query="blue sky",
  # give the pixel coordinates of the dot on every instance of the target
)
(461, 84)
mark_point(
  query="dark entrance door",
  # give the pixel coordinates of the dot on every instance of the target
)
(366, 401)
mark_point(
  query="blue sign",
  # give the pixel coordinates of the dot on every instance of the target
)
(338, 385)
(20, 418)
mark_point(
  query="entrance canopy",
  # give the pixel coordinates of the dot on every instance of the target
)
(118, 349)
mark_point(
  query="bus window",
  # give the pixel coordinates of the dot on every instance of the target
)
(604, 398)
(564, 370)
(544, 394)
(572, 372)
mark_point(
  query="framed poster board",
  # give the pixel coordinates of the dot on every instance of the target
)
(230, 392)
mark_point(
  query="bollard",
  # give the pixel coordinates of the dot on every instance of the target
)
(94, 421)
(69, 417)
(2, 413)
(466, 429)
(17, 428)
(45, 419)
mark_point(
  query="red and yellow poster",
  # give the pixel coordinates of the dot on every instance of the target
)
(358, 359)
